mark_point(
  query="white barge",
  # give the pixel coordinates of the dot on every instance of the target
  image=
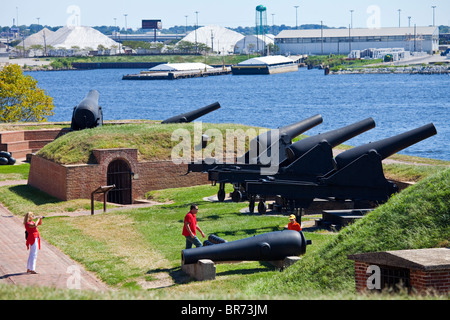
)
(265, 65)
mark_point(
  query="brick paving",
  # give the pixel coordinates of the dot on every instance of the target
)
(54, 268)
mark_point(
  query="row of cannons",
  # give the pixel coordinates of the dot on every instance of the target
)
(88, 113)
(306, 170)
(270, 246)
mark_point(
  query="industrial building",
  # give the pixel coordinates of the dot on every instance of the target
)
(343, 41)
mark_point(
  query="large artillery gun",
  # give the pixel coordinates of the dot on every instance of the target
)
(267, 150)
(192, 115)
(87, 114)
(304, 160)
(358, 175)
(270, 246)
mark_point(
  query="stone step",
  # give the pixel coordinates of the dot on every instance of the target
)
(14, 146)
(11, 136)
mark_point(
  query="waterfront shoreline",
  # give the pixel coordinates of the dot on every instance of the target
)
(433, 69)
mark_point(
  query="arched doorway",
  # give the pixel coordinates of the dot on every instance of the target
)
(119, 174)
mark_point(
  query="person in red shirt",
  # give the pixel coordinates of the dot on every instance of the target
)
(33, 240)
(294, 225)
(190, 228)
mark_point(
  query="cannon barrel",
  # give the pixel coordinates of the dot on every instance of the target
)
(333, 137)
(388, 146)
(88, 114)
(286, 134)
(215, 239)
(192, 115)
(290, 131)
(264, 247)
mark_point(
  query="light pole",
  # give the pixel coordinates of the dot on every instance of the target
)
(434, 7)
(196, 27)
(126, 26)
(185, 30)
(273, 24)
(296, 17)
(399, 10)
(409, 21)
(351, 19)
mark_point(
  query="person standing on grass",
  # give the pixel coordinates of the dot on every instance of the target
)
(190, 228)
(294, 225)
(33, 240)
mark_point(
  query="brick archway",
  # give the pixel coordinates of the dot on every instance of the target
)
(119, 174)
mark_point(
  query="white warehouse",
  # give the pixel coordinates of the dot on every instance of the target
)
(343, 41)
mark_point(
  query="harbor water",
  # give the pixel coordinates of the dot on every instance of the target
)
(397, 102)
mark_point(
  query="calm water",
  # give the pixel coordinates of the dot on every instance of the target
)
(397, 103)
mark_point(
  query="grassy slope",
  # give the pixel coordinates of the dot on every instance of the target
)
(419, 217)
(153, 141)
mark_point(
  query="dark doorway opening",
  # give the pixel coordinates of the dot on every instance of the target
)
(119, 174)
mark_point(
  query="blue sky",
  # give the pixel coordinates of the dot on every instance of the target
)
(226, 13)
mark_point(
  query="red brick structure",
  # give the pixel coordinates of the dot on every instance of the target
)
(133, 180)
(22, 142)
(421, 271)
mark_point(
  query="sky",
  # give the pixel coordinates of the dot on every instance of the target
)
(225, 13)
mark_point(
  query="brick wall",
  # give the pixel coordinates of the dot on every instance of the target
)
(361, 276)
(436, 280)
(421, 281)
(48, 177)
(67, 182)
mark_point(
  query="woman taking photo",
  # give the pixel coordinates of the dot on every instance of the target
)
(33, 240)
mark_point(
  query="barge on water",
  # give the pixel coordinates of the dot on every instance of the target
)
(173, 71)
(265, 65)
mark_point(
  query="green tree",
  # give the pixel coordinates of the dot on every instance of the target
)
(20, 98)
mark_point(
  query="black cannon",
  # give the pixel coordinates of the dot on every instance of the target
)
(358, 174)
(192, 115)
(305, 160)
(261, 147)
(88, 114)
(264, 247)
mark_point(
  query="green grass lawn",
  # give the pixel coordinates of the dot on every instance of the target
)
(137, 250)
(16, 172)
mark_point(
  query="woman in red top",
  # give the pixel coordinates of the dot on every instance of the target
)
(33, 240)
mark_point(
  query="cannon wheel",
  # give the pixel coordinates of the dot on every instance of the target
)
(262, 207)
(236, 196)
(221, 193)
(251, 205)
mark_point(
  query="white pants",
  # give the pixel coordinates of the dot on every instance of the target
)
(31, 265)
